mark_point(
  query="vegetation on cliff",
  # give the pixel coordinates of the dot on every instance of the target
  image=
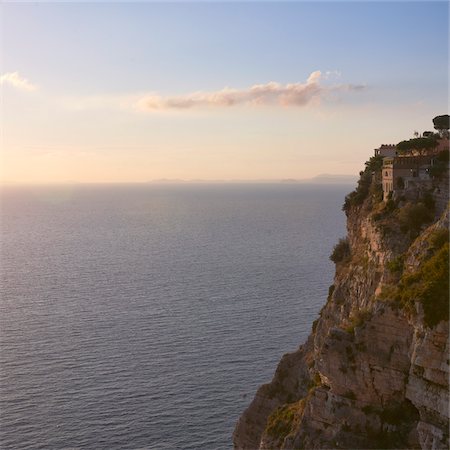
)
(357, 197)
(341, 251)
(421, 145)
(283, 421)
(428, 285)
(440, 167)
(375, 363)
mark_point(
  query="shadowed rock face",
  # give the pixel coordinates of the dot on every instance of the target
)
(373, 373)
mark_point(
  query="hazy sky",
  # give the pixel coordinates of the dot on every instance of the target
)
(96, 92)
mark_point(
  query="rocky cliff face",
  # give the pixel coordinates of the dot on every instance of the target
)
(374, 371)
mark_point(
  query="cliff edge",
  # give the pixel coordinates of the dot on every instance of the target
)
(374, 371)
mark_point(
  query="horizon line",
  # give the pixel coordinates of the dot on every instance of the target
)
(317, 179)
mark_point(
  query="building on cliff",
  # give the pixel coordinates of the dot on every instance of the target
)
(386, 150)
(402, 172)
(374, 371)
(410, 170)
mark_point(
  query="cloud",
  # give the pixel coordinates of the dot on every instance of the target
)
(272, 93)
(15, 80)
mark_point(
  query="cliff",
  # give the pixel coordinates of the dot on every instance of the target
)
(374, 370)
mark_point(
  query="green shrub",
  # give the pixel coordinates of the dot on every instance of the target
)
(282, 421)
(438, 238)
(440, 166)
(390, 205)
(429, 285)
(357, 197)
(279, 422)
(358, 319)
(434, 291)
(428, 201)
(402, 418)
(438, 170)
(395, 266)
(386, 209)
(388, 293)
(412, 216)
(376, 190)
(374, 164)
(341, 251)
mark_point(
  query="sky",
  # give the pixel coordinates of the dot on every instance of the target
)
(135, 92)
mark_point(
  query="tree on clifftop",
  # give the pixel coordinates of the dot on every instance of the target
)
(441, 123)
(419, 145)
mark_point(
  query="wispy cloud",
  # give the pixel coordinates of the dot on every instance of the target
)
(312, 91)
(15, 80)
(273, 93)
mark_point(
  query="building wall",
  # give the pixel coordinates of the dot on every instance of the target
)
(386, 151)
(411, 169)
(387, 179)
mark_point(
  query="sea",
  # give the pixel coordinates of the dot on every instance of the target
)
(146, 316)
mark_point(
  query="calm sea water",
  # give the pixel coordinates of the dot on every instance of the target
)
(147, 316)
